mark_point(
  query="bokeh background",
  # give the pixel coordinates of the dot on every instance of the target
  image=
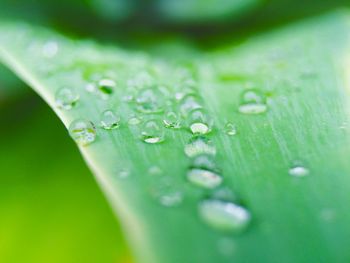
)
(51, 209)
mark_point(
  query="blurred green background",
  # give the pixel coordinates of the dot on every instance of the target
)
(51, 209)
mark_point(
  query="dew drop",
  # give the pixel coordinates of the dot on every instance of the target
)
(134, 120)
(204, 161)
(252, 102)
(200, 122)
(149, 101)
(50, 49)
(152, 132)
(106, 87)
(230, 129)
(66, 98)
(225, 216)
(123, 174)
(204, 178)
(188, 104)
(172, 120)
(226, 246)
(109, 120)
(82, 131)
(199, 145)
(298, 171)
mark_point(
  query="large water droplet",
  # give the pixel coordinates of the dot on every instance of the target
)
(200, 122)
(152, 132)
(109, 120)
(172, 120)
(199, 145)
(204, 178)
(252, 102)
(66, 98)
(225, 216)
(82, 131)
(149, 100)
(230, 129)
(298, 171)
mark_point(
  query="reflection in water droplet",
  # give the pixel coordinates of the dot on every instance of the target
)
(82, 131)
(66, 98)
(225, 216)
(172, 120)
(252, 102)
(152, 132)
(298, 171)
(199, 145)
(204, 178)
(200, 122)
(230, 129)
(109, 120)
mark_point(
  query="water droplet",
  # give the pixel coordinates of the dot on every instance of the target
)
(200, 122)
(199, 145)
(298, 171)
(163, 189)
(50, 49)
(188, 104)
(106, 87)
(90, 87)
(149, 101)
(204, 161)
(204, 178)
(172, 120)
(109, 120)
(152, 132)
(225, 216)
(134, 120)
(252, 102)
(66, 98)
(82, 131)
(123, 174)
(230, 129)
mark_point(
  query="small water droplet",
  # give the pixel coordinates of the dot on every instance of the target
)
(163, 189)
(50, 49)
(252, 102)
(134, 120)
(106, 87)
(123, 174)
(109, 120)
(200, 122)
(152, 132)
(199, 145)
(172, 120)
(188, 104)
(225, 216)
(204, 161)
(149, 100)
(82, 131)
(204, 178)
(230, 129)
(90, 87)
(298, 171)
(66, 98)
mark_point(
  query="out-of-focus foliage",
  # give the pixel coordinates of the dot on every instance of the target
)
(50, 207)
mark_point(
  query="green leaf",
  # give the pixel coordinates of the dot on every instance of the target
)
(286, 167)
